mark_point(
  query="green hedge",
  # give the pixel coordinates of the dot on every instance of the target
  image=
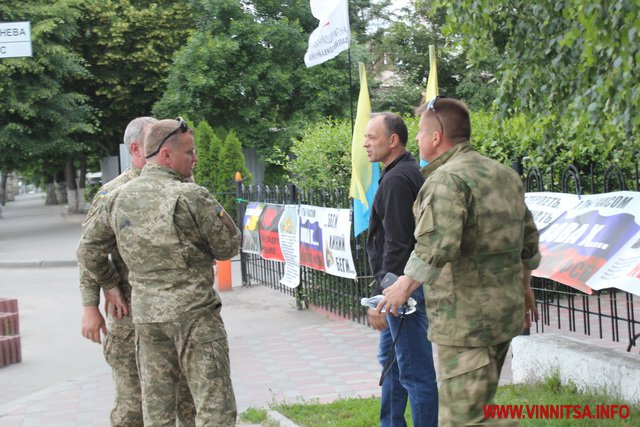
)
(321, 158)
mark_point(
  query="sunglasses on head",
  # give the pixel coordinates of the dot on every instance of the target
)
(432, 107)
(182, 127)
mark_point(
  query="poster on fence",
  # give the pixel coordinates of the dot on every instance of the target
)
(622, 271)
(250, 232)
(311, 237)
(590, 237)
(288, 228)
(336, 228)
(269, 235)
(546, 207)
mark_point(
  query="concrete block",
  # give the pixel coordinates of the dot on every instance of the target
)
(10, 350)
(9, 324)
(588, 366)
(16, 347)
(8, 305)
(5, 351)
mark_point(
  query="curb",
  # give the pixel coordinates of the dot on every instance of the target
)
(37, 264)
(282, 421)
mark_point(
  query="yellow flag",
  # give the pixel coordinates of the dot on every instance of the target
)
(361, 168)
(432, 82)
(364, 175)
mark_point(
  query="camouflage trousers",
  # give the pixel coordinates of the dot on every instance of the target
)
(468, 380)
(196, 347)
(120, 353)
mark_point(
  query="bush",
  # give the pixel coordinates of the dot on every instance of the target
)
(322, 157)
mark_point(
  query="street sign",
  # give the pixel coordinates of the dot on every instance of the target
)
(15, 39)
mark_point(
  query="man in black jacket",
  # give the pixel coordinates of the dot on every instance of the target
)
(389, 245)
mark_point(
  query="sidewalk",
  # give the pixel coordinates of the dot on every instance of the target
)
(278, 353)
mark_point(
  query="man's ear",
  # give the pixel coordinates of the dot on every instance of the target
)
(135, 149)
(165, 156)
(394, 140)
(437, 138)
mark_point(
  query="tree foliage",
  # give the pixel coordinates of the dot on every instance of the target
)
(231, 161)
(402, 48)
(208, 147)
(243, 69)
(569, 64)
(329, 143)
(95, 66)
(322, 156)
(128, 46)
(42, 119)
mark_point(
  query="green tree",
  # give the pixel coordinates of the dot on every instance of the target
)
(231, 160)
(570, 64)
(208, 146)
(243, 69)
(322, 156)
(403, 65)
(44, 121)
(128, 46)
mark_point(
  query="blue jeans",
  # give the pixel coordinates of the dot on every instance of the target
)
(413, 375)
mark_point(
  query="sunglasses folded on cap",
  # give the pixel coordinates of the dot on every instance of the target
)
(182, 127)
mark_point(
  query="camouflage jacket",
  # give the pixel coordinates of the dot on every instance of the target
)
(89, 288)
(168, 232)
(474, 237)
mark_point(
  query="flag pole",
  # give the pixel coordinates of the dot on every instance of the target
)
(350, 90)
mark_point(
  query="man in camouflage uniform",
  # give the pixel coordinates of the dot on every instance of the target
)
(404, 352)
(119, 344)
(476, 246)
(169, 232)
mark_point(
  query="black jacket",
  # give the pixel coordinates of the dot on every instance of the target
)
(391, 223)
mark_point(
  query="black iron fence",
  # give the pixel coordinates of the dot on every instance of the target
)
(337, 295)
(608, 314)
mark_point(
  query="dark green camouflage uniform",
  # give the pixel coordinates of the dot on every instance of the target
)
(119, 344)
(169, 233)
(474, 237)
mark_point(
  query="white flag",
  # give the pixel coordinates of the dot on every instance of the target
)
(333, 34)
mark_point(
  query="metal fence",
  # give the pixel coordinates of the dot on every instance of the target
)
(608, 314)
(337, 295)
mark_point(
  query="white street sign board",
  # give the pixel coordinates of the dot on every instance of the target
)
(15, 39)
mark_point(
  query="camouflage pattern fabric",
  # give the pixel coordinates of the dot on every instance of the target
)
(474, 237)
(89, 288)
(119, 343)
(198, 346)
(120, 353)
(467, 380)
(168, 232)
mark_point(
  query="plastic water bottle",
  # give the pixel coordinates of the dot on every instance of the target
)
(373, 302)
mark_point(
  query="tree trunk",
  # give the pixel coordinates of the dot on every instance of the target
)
(72, 187)
(82, 184)
(50, 188)
(3, 188)
(11, 187)
(61, 188)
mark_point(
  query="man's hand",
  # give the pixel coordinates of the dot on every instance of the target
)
(396, 295)
(529, 299)
(377, 320)
(93, 323)
(529, 308)
(115, 304)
